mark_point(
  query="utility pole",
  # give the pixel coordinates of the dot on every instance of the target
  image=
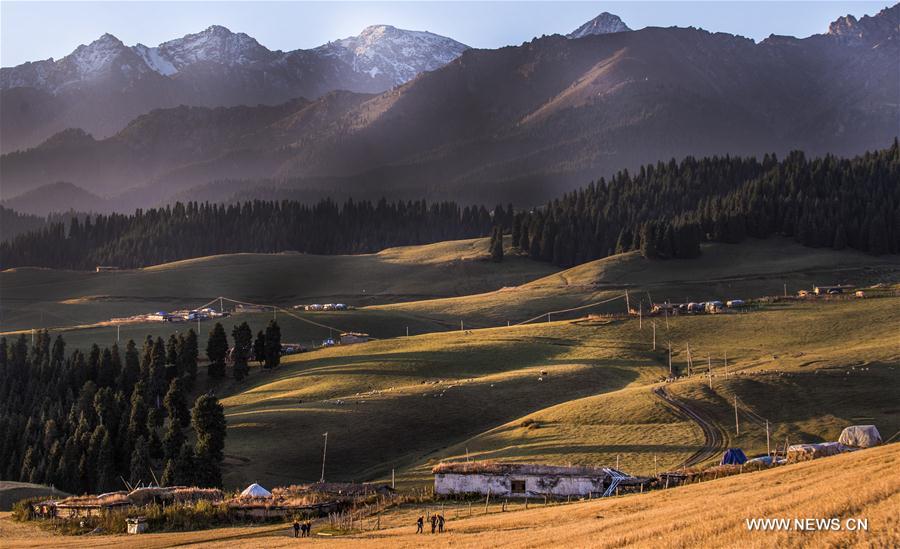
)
(690, 363)
(392, 479)
(737, 427)
(768, 449)
(274, 313)
(641, 316)
(709, 367)
(654, 335)
(407, 331)
(461, 326)
(118, 326)
(670, 359)
(627, 303)
(726, 364)
(324, 449)
(785, 289)
(221, 307)
(667, 315)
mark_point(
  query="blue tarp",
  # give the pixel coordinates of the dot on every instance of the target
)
(733, 456)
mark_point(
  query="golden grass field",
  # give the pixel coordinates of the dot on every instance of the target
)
(861, 485)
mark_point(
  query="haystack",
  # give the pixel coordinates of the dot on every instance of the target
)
(808, 452)
(860, 436)
(255, 491)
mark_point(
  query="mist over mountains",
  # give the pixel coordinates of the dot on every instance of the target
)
(518, 124)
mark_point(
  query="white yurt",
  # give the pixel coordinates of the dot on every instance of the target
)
(255, 491)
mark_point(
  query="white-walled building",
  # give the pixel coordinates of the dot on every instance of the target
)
(524, 480)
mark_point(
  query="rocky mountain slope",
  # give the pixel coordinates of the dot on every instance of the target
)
(517, 124)
(605, 23)
(101, 86)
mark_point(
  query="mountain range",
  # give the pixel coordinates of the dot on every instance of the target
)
(517, 124)
(101, 86)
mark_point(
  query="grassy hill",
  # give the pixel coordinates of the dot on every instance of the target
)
(724, 271)
(11, 492)
(407, 403)
(35, 298)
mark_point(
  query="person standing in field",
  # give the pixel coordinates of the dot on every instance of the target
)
(440, 524)
(419, 524)
(296, 529)
(433, 523)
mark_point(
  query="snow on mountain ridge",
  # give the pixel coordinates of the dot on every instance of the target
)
(382, 51)
(400, 54)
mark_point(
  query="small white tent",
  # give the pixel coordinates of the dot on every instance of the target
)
(255, 491)
(860, 436)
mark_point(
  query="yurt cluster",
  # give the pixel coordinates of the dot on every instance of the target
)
(153, 506)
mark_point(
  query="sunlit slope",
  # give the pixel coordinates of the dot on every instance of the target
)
(751, 269)
(811, 369)
(390, 403)
(34, 298)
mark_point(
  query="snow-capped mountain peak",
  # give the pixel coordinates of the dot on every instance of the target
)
(216, 44)
(395, 54)
(96, 57)
(605, 23)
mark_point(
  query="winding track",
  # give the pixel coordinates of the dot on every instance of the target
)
(714, 435)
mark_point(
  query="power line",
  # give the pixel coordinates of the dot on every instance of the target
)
(589, 305)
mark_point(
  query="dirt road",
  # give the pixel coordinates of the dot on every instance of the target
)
(714, 437)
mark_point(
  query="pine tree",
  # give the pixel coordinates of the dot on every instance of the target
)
(217, 350)
(496, 245)
(208, 422)
(273, 344)
(169, 474)
(243, 344)
(105, 460)
(648, 241)
(259, 347)
(176, 403)
(140, 462)
(184, 467)
(188, 354)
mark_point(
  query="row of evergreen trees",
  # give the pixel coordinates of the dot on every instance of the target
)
(666, 210)
(190, 230)
(86, 422)
(266, 349)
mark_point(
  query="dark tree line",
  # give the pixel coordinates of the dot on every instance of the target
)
(84, 422)
(191, 230)
(666, 210)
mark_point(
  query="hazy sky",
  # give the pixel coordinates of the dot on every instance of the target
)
(37, 30)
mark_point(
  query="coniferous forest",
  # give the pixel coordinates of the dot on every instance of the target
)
(87, 422)
(183, 231)
(665, 210)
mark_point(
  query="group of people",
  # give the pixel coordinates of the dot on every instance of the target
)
(302, 530)
(437, 524)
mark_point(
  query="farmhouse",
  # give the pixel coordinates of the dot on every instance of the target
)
(349, 338)
(836, 289)
(526, 480)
